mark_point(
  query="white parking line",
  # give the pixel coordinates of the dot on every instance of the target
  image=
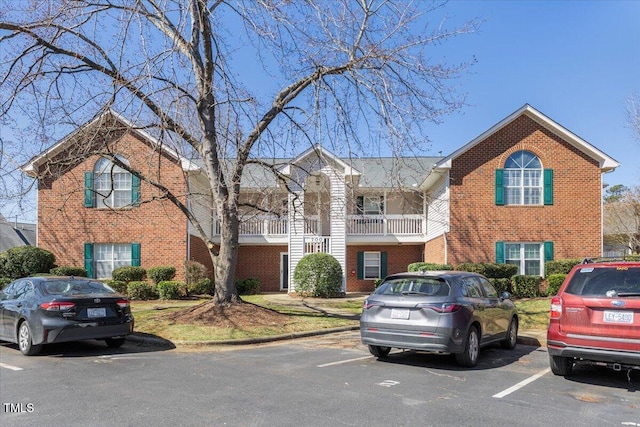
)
(343, 361)
(13, 368)
(521, 384)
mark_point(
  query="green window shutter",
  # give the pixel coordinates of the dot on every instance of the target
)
(135, 254)
(360, 269)
(135, 190)
(383, 264)
(88, 259)
(89, 195)
(500, 252)
(500, 187)
(548, 186)
(548, 251)
(360, 205)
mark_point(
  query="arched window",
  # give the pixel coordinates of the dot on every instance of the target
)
(112, 184)
(523, 179)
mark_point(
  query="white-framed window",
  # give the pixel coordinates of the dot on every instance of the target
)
(523, 179)
(372, 265)
(528, 257)
(370, 205)
(109, 256)
(112, 184)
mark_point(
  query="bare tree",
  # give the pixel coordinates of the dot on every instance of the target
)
(622, 220)
(231, 81)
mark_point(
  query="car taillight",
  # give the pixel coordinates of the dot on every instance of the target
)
(123, 303)
(368, 304)
(556, 307)
(57, 306)
(442, 308)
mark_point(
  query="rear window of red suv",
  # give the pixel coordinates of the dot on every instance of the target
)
(605, 281)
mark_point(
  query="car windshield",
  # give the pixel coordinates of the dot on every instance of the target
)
(414, 286)
(75, 287)
(605, 281)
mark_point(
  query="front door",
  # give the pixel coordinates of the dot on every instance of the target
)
(284, 271)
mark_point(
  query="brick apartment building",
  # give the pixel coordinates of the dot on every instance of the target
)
(524, 192)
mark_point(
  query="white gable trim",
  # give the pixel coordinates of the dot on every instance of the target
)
(31, 167)
(320, 151)
(606, 162)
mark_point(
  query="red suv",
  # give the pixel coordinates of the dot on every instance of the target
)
(595, 318)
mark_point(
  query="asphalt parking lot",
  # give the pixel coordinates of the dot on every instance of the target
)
(317, 381)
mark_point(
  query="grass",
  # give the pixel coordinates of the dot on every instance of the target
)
(534, 312)
(151, 319)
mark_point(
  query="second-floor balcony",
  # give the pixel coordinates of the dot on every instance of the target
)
(355, 225)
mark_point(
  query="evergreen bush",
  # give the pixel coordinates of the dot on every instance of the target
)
(248, 286)
(170, 289)
(555, 281)
(428, 266)
(23, 261)
(318, 275)
(69, 271)
(139, 290)
(161, 274)
(129, 274)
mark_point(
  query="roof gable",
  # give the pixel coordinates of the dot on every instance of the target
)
(32, 166)
(606, 162)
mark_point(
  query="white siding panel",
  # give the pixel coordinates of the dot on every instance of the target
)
(438, 210)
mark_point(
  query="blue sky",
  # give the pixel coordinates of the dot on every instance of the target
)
(577, 62)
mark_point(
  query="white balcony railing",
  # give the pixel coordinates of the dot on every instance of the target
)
(384, 225)
(355, 225)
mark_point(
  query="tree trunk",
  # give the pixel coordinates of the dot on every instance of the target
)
(225, 262)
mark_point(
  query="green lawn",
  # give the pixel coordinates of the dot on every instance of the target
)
(150, 317)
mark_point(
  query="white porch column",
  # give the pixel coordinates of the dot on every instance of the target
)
(296, 233)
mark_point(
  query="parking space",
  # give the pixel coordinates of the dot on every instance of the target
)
(327, 380)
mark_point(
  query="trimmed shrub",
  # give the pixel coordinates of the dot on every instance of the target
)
(501, 285)
(428, 266)
(129, 274)
(561, 266)
(142, 290)
(248, 286)
(555, 281)
(489, 270)
(318, 275)
(377, 282)
(69, 271)
(170, 289)
(202, 287)
(526, 286)
(161, 274)
(118, 286)
(23, 261)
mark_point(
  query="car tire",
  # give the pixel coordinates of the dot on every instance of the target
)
(379, 352)
(562, 366)
(25, 340)
(469, 357)
(512, 335)
(114, 342)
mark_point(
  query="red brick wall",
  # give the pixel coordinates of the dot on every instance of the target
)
(64, 224)
(398, 258)
(434, 251)
(263, 263)
(198, 252)
(573, 223)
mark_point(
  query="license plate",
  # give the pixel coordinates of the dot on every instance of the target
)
(399, 313)
(611, 316)
(97, 312)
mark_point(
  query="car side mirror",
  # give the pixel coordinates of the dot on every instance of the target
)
(505, 295)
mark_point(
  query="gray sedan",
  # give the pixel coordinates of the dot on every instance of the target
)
(438, 311)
